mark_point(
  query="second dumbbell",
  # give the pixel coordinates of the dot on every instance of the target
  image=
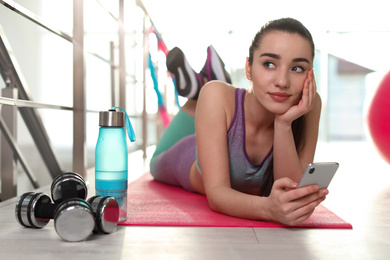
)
(73, 219)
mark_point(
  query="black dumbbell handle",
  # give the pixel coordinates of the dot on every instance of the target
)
(69, 191)
(45, 210)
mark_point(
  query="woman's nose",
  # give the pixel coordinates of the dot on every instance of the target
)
(282, 80)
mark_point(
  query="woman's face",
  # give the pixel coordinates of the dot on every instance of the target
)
(279, 69)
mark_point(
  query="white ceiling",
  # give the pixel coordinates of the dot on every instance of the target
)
(358, 31)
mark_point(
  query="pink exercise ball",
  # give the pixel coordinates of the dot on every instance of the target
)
(378, 118)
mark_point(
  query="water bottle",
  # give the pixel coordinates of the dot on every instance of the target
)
(111, 157)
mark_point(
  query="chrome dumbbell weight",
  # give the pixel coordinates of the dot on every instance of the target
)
(25, 210)
(73, 219)
(68, 185)
(106, 211)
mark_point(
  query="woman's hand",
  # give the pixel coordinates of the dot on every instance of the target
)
(305, 104)
(291, 206)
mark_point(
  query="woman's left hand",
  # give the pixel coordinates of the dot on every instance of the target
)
(305, 104)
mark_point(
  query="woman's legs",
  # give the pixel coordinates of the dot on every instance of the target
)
(173, 166)
(176, 150)
(175, 153)
(182, 125)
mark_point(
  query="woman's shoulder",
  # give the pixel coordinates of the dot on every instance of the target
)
(219, 97)
(215, 88)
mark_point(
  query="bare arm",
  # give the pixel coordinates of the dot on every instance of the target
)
(287, 161)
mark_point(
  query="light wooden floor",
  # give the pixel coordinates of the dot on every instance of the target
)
(360, 193)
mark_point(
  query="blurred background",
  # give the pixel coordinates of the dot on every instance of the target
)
(352, 41)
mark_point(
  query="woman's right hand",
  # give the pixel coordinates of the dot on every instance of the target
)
(290, 205)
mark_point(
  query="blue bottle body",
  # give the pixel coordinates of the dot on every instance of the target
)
(111, 166)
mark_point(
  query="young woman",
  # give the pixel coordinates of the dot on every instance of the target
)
(247, 149)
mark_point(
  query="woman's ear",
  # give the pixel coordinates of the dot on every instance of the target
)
(248, 69)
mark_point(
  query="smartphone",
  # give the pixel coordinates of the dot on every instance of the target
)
(318, 173)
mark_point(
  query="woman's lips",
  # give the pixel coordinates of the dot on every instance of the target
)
(279, 96)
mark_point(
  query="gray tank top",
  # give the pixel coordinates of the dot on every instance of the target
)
(245, 176)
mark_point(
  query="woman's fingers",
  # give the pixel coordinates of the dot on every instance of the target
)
(294, 216)
(301, 193)
(308, 92)
(304, 212)
(295, 205)
(284, 184)
(312, 88)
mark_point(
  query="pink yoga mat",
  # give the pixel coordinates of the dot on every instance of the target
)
(151, 203)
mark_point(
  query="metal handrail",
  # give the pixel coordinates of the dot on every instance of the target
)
(13, 77)
(111, 14)
(26, 105)
(18, 153)
(31, 104)
(38, 20)
(34, 18)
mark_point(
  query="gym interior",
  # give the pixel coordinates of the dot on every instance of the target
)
(63, 62)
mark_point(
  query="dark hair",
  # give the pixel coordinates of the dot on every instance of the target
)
(291, 26)
(288, 25)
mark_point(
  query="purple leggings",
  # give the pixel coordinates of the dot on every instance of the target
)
(172, 166)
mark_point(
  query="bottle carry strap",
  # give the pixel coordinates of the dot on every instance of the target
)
(129, 127)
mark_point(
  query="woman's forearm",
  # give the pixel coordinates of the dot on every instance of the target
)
(286, 160)
(237, 204)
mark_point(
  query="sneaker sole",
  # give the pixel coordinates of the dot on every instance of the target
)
(216, 67)
(187, 81)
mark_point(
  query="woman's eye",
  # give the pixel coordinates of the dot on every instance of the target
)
(269, 65)
(298, 69)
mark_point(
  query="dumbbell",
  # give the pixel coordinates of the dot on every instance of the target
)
(105, 209)
(73, 218)
(69, 192)
(65, 186)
